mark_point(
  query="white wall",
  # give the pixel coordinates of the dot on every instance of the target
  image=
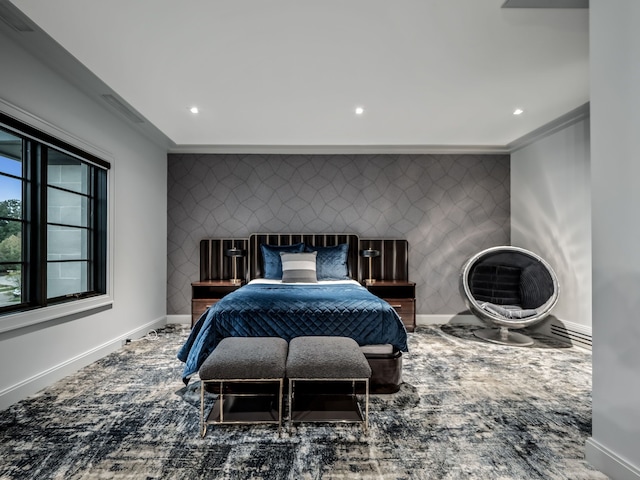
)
(37, 355)
(551, 213)
(614, 447)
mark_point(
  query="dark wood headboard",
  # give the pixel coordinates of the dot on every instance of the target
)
(215, 265)
(392, 264)
(314, 239)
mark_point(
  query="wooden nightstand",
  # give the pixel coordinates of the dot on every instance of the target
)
(206, 293)
(401, 295)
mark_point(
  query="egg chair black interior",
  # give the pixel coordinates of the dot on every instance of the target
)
(508, 288)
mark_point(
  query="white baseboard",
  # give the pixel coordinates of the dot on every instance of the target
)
(444, 319)
(181, 319)
(37, 382)
(608, 462)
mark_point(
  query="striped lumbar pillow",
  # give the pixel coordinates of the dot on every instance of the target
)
(299, 267)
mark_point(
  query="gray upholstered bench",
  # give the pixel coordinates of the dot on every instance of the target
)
(241, 367)
(337, 360)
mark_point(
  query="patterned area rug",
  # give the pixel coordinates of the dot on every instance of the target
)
(468, 410)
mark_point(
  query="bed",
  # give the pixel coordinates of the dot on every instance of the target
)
(287, 298)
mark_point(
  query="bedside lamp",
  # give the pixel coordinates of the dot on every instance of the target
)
(370, 253)
(235, 253)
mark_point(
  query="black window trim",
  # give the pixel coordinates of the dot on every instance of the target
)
(97, 294)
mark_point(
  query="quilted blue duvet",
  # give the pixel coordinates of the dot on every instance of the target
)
(288, 311)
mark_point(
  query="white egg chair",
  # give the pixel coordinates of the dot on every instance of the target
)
(508, 288)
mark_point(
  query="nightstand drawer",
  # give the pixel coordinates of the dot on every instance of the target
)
(402, 305)
(406, 308)
(199, 306)
(401, 295)
(207, 292)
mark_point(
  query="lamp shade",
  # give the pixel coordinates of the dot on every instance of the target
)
(234, 252)
(369, 253)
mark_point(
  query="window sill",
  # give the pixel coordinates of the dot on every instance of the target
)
(28, 318)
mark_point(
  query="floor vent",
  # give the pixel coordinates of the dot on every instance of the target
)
(571, 335)
(122, 108)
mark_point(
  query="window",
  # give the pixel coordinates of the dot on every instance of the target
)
(53, 220)
(11, 223)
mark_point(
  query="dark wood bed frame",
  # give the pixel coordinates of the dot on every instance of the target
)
(393, 264)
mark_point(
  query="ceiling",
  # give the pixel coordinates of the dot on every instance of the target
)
(428, 73)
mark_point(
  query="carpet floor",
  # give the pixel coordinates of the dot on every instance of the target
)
(468, 410)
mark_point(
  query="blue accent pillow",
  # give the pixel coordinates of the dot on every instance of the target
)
(271, 263)
(331, 262)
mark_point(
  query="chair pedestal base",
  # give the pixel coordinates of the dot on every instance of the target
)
(504, 337)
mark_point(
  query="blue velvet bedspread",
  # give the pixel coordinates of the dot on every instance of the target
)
(288, 311)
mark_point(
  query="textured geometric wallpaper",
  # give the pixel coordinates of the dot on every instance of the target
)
(447, 207)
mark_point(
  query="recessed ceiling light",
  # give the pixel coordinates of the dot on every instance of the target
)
(518, 111)
(194, 110)
(359, 110)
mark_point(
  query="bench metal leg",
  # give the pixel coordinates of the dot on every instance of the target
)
(290, 403)
(366, 407)
(280, 393)
(203, 424)
(228, 414)
(361, 415)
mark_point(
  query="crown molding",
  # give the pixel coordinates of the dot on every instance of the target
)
(546, 4)
(340, 149)
(560, 123)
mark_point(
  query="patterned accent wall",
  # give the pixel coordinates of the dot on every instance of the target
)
(448, 207)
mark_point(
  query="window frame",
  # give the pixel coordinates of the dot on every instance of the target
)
(35, 306)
